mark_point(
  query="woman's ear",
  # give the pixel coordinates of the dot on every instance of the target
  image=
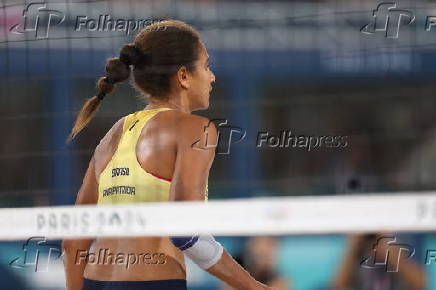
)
(184, 77)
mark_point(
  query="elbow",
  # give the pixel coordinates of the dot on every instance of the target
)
(203, 250)
(189, 193)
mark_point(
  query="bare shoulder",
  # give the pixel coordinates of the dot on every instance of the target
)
(189, 127)
(112, 135)
(182, 124)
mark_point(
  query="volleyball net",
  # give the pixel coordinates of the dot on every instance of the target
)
(247, 217)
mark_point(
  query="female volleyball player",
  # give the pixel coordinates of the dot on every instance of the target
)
(147, 156)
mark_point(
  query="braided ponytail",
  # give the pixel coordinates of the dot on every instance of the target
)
(117, 70)
(158, 51)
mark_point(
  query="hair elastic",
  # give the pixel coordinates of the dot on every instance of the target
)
(109, 80)
(101, 95)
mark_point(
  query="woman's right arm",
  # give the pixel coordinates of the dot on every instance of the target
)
(74, 269)
(195, 153)
(344, 276)
(88, 194)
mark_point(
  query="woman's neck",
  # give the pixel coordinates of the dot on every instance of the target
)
(167, 104)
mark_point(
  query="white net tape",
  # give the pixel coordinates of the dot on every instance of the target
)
(237, 217)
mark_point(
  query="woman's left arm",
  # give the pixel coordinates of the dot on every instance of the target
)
(413, 275)
(88, 194)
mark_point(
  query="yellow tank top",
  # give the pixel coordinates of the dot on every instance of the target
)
(124, 180)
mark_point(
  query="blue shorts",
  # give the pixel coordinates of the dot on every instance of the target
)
(174, 284)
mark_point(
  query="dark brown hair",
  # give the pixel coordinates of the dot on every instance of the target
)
(156, 54)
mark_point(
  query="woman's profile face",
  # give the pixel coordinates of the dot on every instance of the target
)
(203, 78)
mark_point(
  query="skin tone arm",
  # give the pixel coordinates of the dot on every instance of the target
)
(409, 272)
(87, 195)
(189, 183)
(344, 276)
(413, 275)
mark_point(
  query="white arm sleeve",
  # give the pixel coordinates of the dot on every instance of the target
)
(206, 252)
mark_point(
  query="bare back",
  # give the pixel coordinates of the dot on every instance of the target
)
(156, 153)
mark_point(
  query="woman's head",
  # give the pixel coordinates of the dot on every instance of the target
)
(168, 60)
(172, 59)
